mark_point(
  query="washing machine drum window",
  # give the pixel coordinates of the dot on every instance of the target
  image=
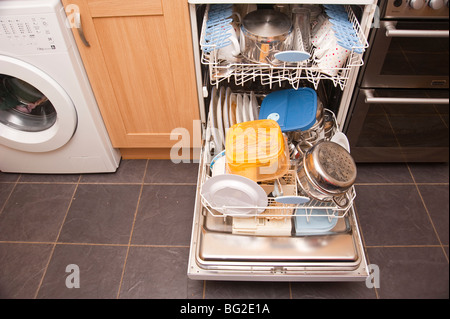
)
(23, 107)
(36, 113)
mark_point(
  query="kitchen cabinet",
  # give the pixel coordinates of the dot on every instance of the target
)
(139, 59)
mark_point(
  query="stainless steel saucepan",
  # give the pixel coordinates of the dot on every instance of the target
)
(327, 172)
(264, 33)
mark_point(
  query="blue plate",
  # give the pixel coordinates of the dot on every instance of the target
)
(292, 109)
(292, 56)
(292, 200)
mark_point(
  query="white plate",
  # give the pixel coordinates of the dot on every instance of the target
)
(232, 110)
(251, 114)
(246, 108)
(239, 109)
(342, 140)
(217, 165)
(212, 110)
(254, 106)
(220, 102)
(240, 195)
(226, 107)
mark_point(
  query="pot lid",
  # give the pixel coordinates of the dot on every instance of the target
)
(267, 23)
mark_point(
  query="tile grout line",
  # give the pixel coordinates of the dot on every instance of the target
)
(400, 184)
(56, 240)
(181, 246)
(88, 244)
(132, 229)
(102, 183)
(428, 213)
(9, 195)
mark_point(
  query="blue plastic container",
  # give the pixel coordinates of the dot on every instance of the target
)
(293, 109)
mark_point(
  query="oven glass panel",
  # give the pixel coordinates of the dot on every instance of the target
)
(403, 126)
(390, 126)
(417, 56)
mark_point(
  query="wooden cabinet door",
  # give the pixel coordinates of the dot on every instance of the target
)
(141, 67)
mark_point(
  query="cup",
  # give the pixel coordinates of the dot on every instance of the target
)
(333, 58)
(322, 31)
(326, 45)
(230, 48)
(317, 23)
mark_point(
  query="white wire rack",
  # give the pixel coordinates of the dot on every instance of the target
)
(243, 71)
(290, 186)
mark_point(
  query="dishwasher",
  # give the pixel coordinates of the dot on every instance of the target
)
(287, 232)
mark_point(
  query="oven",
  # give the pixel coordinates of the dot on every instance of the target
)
(399, 110)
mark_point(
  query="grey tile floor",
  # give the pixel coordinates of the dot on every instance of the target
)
(129, 234)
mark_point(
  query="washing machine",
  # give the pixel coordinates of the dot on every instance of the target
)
(49, 119)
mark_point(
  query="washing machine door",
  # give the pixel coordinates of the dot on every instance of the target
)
(36, 113)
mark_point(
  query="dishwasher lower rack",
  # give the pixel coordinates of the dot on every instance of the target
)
(269, 74)
(276, 213)
(221, 251)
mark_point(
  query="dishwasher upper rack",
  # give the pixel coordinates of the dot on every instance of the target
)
(290, 182)
(243, 70)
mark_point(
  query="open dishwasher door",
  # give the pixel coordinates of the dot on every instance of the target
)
(220, 252)
(268, 247)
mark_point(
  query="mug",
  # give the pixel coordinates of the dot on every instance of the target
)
(324, 47)
(320, 19)
(322, 31)
(333, 59)
(231, 48)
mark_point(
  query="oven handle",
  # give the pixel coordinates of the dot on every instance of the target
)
(392, 31)
(370, 99)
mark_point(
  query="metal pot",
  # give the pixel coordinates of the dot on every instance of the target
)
(304, 140)
(264, 33)
(327, 172)
(329, 124)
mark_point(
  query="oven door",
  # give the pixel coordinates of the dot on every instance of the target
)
(409, 54)
(398, 125)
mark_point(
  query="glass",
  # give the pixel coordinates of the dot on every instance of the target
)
(302, 29)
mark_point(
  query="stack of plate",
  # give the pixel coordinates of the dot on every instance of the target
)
(227, 109)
